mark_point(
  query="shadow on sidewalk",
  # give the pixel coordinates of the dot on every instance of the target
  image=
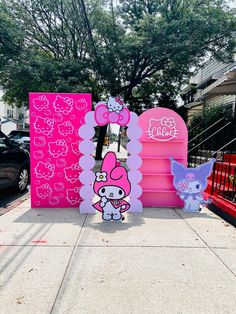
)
(132, 220)
(73, 216)
(52, 216)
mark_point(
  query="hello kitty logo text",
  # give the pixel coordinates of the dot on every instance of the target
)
(162, 129)
(63, 104)
(41, 103)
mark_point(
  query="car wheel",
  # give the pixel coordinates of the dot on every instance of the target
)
(23, 180)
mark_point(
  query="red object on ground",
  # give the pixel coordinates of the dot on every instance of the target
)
(222, 172)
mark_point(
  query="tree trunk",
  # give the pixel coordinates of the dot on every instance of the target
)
(101, 136)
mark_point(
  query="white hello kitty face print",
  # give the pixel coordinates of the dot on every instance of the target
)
(73, 196)
(44, 191)
(60, 163)
(58, 148)
(75, 148)
(38, 154)
(111, 192)
(39, 141)
(65, 128)
(54, 201)
(44, 170)
(190, 187)
(81, 104)
(115, 104)
(44, 126)
(59, 186)
(63, 104)
(41, 103)
(72, 173)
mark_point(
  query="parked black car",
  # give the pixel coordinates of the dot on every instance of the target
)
(14, 164)
(21, 137)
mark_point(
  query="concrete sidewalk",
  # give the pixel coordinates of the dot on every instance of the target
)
(160, 261)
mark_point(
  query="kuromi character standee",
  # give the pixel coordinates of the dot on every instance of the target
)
(190, 184)
(112, 185)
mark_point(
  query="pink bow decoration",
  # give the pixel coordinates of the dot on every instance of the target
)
(103, 116)
(119, 100)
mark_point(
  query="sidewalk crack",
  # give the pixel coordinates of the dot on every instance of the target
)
(68, 264)
(210, 248)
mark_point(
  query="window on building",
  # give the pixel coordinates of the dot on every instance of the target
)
(9, 113)
(189, 97)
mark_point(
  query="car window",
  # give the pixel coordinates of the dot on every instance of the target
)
(2, 143)
(16, 136)
(2, 135)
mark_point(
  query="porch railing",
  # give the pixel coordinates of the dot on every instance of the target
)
(203, 146)
(224, 172)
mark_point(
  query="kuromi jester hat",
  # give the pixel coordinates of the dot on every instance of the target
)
(200, 173)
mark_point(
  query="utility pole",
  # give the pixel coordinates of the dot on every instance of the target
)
(23, 117)
(119, 139)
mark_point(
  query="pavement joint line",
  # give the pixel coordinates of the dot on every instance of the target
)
(67, 266)
(108, 246)
(210, 248)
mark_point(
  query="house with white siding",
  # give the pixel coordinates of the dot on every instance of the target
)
(214, 84)
(12, 118)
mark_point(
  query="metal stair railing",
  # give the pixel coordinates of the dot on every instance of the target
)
(224, 172)
(210, 136)
(207, 129)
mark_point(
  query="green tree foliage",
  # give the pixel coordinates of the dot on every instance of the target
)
(142, 49)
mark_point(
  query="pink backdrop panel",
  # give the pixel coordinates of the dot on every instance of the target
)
(164, 135)
(55, 119)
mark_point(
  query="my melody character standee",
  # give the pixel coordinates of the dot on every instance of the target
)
(190, 184)
(112, 185)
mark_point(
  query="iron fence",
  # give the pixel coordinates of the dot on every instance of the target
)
(223, 179)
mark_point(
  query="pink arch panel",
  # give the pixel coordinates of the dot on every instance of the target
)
(87, 163)
(164, 135)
